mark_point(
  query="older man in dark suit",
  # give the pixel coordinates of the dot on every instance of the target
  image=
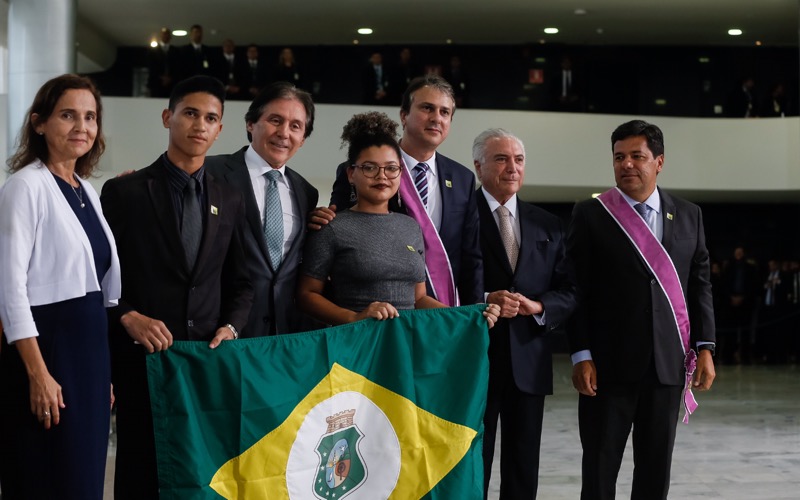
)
(523, 252)
(278, 122)
(440, 195)
(644, 313)
(179, 233)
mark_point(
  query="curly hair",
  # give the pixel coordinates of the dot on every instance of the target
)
(33, 146)
(366, 130)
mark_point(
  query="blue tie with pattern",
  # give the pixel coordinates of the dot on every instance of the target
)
(273, 218)
(644, 210)
(421, 182)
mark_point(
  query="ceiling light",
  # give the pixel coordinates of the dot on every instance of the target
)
(551, 31)
(580, 12)
(449, 41)
(154, 44)
(355, 41)
(703, 59)
(364, 31)
(734, 32)
(179, 32)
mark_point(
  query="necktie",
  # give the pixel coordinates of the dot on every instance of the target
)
(644, 210)
(507, 236)
(273, 218)
(191, 222)
(421, 182)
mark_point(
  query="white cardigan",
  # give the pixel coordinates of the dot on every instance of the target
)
(45, 255)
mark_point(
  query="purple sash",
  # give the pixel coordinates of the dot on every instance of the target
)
(660, 264)
(437, 265)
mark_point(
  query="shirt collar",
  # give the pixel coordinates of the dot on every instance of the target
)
(511, 204)
(412, 162)
(258, 165)
(653, 201)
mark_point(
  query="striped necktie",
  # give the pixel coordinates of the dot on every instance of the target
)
(421, 182)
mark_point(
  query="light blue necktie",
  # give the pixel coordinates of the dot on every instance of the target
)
(645, 211)
(273, 218)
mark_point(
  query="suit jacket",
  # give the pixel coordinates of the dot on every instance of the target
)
(623, 316)
(161, 64)
(459, 231)
(197, 62)
(156, 280)
(540, 275)
(274, 310)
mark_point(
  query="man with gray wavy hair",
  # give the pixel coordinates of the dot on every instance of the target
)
(524, 272)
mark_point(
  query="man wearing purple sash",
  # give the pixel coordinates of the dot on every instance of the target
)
(643, 333)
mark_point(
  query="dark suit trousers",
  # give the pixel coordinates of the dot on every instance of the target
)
(521, 416)
(651, 408)
(136, 472)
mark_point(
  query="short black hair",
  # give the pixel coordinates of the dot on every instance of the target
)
(640, 128)
(280, 90)
(430, 80)
(199, 83)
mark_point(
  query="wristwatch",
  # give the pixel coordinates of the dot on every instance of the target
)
(236, 332)
(707, 347)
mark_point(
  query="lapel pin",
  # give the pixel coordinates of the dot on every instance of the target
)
(448, 183)
(214, 210)
(669, 216)
(410, 248)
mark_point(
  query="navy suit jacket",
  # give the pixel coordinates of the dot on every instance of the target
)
(623, 316)
(274, 310)
(459, 231)
(540, 275)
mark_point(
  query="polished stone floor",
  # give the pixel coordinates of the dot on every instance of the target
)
(743, 443)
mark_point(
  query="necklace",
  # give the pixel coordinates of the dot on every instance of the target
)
(79, 193)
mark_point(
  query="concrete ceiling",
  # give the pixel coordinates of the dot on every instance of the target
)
(329, 22)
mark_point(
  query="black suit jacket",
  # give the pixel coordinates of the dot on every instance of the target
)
(197, 62)
(540, 275)
(274, 310)
(459, 231)
(156, 279)
(161, 64)
(623, 316)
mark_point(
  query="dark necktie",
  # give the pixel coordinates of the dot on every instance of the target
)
(421, 182)
(191, 222)
(273, 218)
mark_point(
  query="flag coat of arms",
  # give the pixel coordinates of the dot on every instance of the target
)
(366, 411)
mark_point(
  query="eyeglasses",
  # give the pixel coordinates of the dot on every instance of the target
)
(371, 170)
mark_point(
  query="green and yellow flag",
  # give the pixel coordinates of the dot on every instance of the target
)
(370, 410)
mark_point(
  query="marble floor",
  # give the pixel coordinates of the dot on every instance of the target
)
(743, 443)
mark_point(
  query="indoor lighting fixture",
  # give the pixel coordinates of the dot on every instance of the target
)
(179, 32)
(551, 31)
(154, 44)
(364, 31)
(734, 32)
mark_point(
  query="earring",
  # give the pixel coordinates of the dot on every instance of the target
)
(353, 195)
(399, 199)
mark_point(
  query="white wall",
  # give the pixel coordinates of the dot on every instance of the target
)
(569, 155)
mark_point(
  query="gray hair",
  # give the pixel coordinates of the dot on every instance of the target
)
(479, 144)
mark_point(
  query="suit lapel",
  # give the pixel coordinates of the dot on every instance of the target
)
(527, 234)
(301, 199)
(237, 175)
(215, 210)
(445, 173)
(158, 188)
(668, 218)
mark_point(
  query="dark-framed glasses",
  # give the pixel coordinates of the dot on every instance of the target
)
(371, 170)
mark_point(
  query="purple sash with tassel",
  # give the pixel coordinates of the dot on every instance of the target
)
(437, 265)
(660, 264)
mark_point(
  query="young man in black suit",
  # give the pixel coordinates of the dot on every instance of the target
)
(523, 264)
(450, 210)
(179, 234)
(278, 122)
(645, 311)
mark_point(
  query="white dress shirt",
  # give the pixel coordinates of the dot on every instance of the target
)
(434, 208)
(257, 167)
